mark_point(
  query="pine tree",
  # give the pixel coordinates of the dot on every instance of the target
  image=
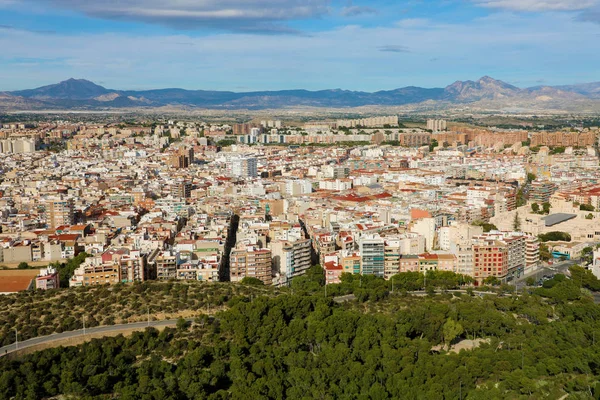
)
(517, 223)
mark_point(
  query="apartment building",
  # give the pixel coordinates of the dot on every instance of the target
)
(47, 279)
(372, 252)
(60, 211)
(290, 259)
(251, 262)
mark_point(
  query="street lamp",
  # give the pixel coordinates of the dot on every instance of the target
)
(16, 339)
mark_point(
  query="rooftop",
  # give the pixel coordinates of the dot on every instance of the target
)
(555, 219)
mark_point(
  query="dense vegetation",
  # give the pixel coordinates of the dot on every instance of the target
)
(298, 343)
(308, 347)
(39, 313)
(555, 237)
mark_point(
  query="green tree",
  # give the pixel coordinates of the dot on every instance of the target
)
(516, 223)
(530, 281)
(546, 207)
(531, 177)
(23, 265)
(535, 207)
(587, 207)
(248, 280)
(452, 330)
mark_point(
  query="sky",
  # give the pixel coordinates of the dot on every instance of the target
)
(245, 45)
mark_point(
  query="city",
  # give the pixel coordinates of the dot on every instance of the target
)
(299, 199)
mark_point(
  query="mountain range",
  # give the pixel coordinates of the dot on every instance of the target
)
(81, 94)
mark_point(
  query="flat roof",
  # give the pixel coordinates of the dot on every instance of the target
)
(555, 219)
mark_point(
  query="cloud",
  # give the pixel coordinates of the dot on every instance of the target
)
(350, 57)
(538, 5)
(356, 11)
(394, 49)
(260, 16)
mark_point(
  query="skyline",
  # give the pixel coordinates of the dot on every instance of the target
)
(274, 45)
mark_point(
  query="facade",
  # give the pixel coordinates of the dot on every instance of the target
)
(47, 279)
(436, 125)
(291, 259)
(245, 167)
(251, 262)
(60, 212)
(372, 252)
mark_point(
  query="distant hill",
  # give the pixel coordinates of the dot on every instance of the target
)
(485, 92)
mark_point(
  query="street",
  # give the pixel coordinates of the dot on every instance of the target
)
(71, 334)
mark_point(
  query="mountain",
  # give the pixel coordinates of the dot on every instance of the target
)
(485, 92)
(72, 89)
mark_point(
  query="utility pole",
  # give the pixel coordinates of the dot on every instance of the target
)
(16, 339)
(460, 391)
(84, 325)
(148, 308)
(393, 283)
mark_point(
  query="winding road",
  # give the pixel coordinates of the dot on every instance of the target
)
(135, 326)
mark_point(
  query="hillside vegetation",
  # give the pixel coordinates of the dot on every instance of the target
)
(307, 346)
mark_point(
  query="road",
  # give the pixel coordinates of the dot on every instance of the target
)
(550, 270)
(89, 331)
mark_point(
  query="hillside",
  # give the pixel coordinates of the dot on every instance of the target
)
(304, 345)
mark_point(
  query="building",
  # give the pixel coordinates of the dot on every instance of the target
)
(372, 252)
(490, 259)
(181, 190)
(47, 279)
(541, 191)
(245, 167)
(60, 212)
(333, 273)
(251, 262)
(436, 125)
(290, 259)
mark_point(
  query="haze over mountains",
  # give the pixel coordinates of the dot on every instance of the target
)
(80, 94)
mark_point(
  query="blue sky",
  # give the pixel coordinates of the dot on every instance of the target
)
(244, 45)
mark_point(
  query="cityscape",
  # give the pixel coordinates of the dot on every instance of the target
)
(269, 237)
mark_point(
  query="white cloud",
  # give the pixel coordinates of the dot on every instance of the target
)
(538, 5)
(233, 15)
(350, 57)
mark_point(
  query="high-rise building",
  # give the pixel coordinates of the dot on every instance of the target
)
(541, 191)
(60, 212)
(291, 258)
(181, 189)
(372, 252)
(436, 125)
(246, 167)
(251, 262)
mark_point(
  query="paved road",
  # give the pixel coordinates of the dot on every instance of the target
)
(550, 270)
(72, 334)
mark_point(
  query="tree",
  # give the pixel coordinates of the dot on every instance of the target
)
(589, 216)
(182, 324)
(487, 227)
(517, 223)
(535, 207)
(248, 280)
(492, 280)
(521, 200)
(530, 281)
(23, 265)
(433, 144)
(452, 330)
(546, 207)
(555, 236)
(531, 177)
(587, 207)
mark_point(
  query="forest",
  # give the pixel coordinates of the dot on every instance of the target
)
(301, 344)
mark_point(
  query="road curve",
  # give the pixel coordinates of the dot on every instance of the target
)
(88, 331)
